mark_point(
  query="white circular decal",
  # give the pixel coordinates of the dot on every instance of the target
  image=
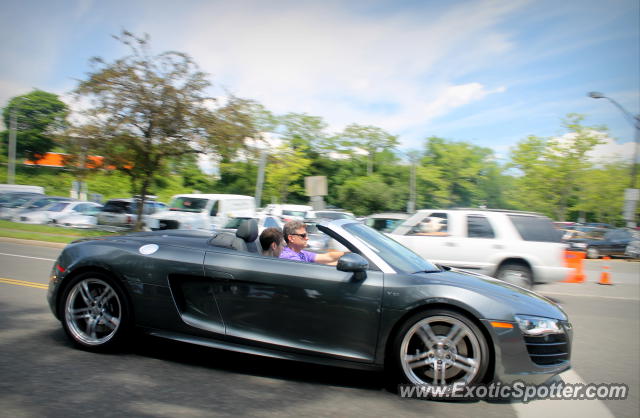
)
(148, 249)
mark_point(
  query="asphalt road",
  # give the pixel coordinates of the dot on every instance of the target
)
(42, 374)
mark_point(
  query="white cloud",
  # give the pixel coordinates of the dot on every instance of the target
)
(394, 71)
(608, 151)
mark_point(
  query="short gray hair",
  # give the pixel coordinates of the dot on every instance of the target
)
(291, 227)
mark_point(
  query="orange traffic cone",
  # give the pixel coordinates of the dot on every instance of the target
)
(605, 276)
(574, 260)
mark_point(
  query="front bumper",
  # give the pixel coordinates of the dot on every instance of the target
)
(534, 362)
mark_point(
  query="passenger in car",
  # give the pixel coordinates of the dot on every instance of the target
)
(432, 226)
(295, 234)
(272, 242)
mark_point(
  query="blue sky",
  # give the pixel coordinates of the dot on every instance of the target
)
(487, 72)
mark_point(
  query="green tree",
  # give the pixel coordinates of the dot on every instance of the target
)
(601, 194)
(39, 117)
(552, 169)
(302, 131)
(367, 194)
(369, 140)
(146, 109)
(285, 170)
(458, 169)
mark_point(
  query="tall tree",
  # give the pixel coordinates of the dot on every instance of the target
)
(552, 169)
(285, 171)
(369, 140)
(461, 168)
(145, 109)
(304, 131)
(39, 117)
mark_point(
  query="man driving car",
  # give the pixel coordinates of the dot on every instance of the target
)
(295, 234)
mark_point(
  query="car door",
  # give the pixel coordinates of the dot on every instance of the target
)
(435, 242)
(479, 244)
(295, 305)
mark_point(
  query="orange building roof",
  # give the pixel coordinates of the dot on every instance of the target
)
(56, 159)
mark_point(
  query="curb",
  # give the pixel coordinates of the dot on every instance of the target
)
(33, 242)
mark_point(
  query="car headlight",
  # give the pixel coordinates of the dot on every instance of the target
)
(536, 325)
(579, 245)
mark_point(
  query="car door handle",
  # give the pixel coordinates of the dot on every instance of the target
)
(450, 244)
(215, 274)
(498, 247)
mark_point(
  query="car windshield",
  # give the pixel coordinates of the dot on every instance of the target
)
(395, 254)
(188, 204)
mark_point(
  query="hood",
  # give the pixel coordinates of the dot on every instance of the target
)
(501, 299)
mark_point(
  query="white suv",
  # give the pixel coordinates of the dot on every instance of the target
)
(522, 248)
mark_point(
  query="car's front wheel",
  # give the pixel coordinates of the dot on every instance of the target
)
(593, 252)
(517, 274)
(440, 347)
(95, 311)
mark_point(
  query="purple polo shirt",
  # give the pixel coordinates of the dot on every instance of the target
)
(306, 256)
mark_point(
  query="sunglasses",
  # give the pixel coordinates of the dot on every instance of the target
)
(303, 236)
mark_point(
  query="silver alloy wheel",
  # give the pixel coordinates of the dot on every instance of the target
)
(440, 350)
(93, 312)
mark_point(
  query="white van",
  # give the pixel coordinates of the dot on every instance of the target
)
(287, 212)
(20, 188)
(202, 211)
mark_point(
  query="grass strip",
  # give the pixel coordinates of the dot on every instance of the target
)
(46, 233)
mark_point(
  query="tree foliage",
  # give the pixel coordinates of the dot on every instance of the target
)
(553, 169)
(369, 140)
(39, 117)
(146, 109)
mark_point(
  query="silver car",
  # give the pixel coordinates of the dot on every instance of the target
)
(123, 212)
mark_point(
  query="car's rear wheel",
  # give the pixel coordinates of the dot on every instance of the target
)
(593, 252)
(95, 312)
(440, 347)
(517, 274)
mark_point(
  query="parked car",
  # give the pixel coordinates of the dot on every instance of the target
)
(54, 211)
(385, 222)
(382, 306)
(287, 212)
(21, 188)
(518, 247)
(32, 203)
(203, 211)
(124, 212)
(262, 221)
(15, 199)
(633, 248)
(610, 242)
(85, 220)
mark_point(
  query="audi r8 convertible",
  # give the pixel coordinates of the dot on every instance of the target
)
(381, 306)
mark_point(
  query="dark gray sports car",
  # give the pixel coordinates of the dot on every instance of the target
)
(381, 306)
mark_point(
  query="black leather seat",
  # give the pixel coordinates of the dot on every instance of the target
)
(243, 240)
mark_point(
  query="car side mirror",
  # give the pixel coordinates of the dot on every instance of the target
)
(352, 263)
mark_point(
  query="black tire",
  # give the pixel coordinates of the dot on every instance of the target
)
(517, 274)
(592, 253)
(95, 312)
(434, 341)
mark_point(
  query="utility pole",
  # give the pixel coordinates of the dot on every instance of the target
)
(11, 174)
(260, 180)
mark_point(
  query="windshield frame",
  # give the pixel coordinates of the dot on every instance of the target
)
(394, 254)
